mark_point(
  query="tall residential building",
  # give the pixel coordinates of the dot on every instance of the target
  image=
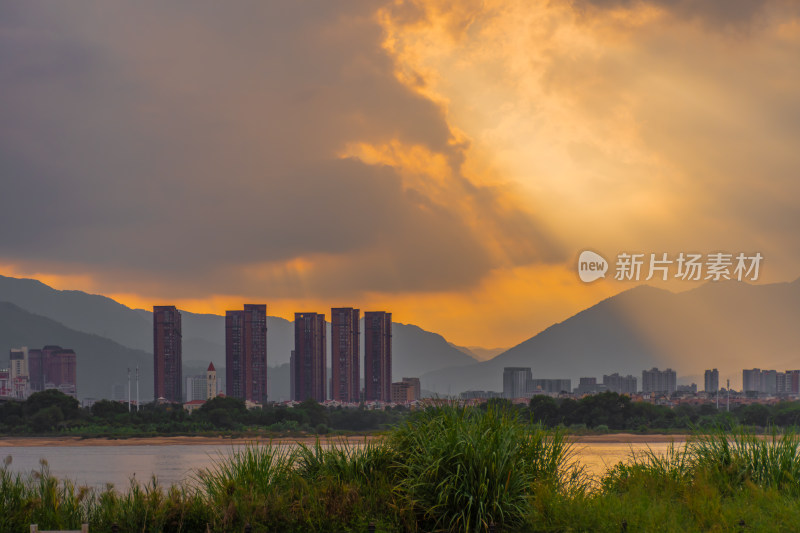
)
(769, 382)
(60, 369)
(416, 388)
(246, 353)
(378, 356)
(659, 381)
(52, 367)
(793, 382)
(195, 389)
(36, 370)
(308, 361)
(345, 370)
(620, 384)
(515, 381)
(402, 392)
(780, 383)
(406, 391)
(18, 373)
(211, 382)
(167, 349)
(712, 380)
(18, 359)
(6, 388)
(751, 380)
(587, 386)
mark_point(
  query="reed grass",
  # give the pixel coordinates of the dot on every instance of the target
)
(345, 461)
(445, 469)
(734, 458)
(729, 458)
(466, 469)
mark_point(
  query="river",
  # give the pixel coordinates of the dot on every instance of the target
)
(97, 466)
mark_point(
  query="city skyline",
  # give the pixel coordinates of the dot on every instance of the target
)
(32, 370)
(591, 342)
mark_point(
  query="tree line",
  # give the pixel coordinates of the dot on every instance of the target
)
(616, 412)
(51, 411)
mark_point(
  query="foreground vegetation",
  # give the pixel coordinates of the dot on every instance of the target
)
(444, 469)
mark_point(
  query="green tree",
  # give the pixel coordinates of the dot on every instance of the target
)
(107, 409)
(221, 418)
(755, 415)
(234, 406)
(69, 407)
(544, 409)
(46, 419)
(317, 414)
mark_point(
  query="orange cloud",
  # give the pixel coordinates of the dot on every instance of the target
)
(442, 160)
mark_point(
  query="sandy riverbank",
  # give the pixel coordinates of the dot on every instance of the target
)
(166, 441)
(627, 438)
(611, 438)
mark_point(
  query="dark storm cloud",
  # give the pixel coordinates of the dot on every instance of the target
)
(152, 140)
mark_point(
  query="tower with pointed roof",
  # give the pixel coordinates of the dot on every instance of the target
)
(211, 382)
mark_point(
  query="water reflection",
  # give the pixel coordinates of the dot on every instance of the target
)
(97, 466)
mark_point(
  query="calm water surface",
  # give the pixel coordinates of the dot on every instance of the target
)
(99, 465)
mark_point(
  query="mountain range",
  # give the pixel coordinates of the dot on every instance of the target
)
(725, 325)
(101, 361)
(71, 318)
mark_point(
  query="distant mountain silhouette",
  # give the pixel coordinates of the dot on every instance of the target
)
(415, 351)
(101, 362)
(479, 353)
(725, 325)
(80, 311)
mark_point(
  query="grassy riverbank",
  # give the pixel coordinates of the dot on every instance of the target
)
(447, 469)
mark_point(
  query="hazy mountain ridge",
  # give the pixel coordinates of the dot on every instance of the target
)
(415, 351)
(101, 362)
(80, 311)
(725, 325)
(479, 353)
(728, 325)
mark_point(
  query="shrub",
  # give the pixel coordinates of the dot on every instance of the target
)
(464, 469)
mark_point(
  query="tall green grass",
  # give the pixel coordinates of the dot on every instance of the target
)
(466, 469)
(239, 486)
(41, 498)
(728, 458)
(446, 469)
(343, 461)
(733, 458)
(332, 487)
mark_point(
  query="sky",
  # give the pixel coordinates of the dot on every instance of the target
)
(445, 161)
